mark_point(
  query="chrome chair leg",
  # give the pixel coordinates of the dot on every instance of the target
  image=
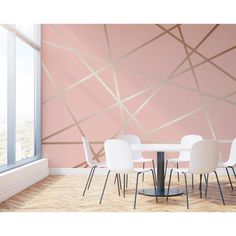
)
(177, 165)
(126, 181)
(168, 190)
(104, 187)
(166, 169)
(91, 178)
(186, 189)
(120, 181)
(192, 181)
(200, 186)
(233, 170)
(206, 177)
(136, 190)
(143, 173)
(87, 181)
(222, 197)
(124, 186)
(229, 178)
(118, 187)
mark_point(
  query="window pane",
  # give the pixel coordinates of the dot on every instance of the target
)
(24, 101)
(27, 29)
(3, 96)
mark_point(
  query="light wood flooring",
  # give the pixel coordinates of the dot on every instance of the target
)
(64, 193)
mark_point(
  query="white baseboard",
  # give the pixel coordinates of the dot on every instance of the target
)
(99, 171)
(18, 179)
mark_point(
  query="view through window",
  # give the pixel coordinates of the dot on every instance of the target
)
(19, 94)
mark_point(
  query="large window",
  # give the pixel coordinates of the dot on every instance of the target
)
(20, 136)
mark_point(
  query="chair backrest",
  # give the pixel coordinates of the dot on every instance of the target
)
(132, 139)
(204, 157)
(118, 156)
(232, 155)
(188, 141)
(87, 151)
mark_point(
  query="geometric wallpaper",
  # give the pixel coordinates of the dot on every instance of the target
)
(157, 81)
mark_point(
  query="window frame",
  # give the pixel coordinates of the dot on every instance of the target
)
(12, 34)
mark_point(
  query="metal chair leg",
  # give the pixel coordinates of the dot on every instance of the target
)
(91, 178)
(169, 185)
(222, 197)
(200, 186)
(154, 183)
(233, 170)
(192, 181)
(124, 186)
(166, 169)
(118, 187)
(186, 189)
(177, 165)
(120, 181)
(229, 178)
(104, 187)
(126, 181)
(87, 181)
(154, 170)
(207, 177)
(115, 179)
(136, 190)
(143, 173)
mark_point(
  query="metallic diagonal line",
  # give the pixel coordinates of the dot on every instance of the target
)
(104, 85)
(111, 93)
(59, 131)
(178, 85)
(205, 58)
(114, 72)
(170, 81)
(71, 50)
(188, 114)
(146, 43)
(101, 111)
(198, 86)
(194, 49)
(209, 61)
(62, 99)
(79, 165)
(79, 82)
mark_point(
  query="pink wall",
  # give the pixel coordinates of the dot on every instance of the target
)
(158, 81)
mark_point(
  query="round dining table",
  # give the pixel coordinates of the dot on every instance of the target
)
(160, 149)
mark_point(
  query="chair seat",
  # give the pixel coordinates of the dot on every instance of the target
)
(141, 160)
(134, 171)
(223, 164)
(180, 170)
(100, 164)
(176, 160)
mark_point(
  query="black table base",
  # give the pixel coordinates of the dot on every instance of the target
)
(161, 193)
(161, 190)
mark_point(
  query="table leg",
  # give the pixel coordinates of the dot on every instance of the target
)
(161, 191)
(160, 171)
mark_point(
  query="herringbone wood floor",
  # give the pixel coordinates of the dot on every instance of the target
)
(64, 193)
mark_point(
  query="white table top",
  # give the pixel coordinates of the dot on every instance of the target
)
(160, 147)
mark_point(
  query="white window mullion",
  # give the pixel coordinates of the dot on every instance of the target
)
(37, 123)
(11, 98)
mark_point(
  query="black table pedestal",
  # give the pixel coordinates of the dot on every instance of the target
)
(161, 190)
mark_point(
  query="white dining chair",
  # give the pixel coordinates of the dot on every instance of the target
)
(184, 156)
(91, 163)
(119, 160)
(204, 157)
(137, 155)
(231, 162)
